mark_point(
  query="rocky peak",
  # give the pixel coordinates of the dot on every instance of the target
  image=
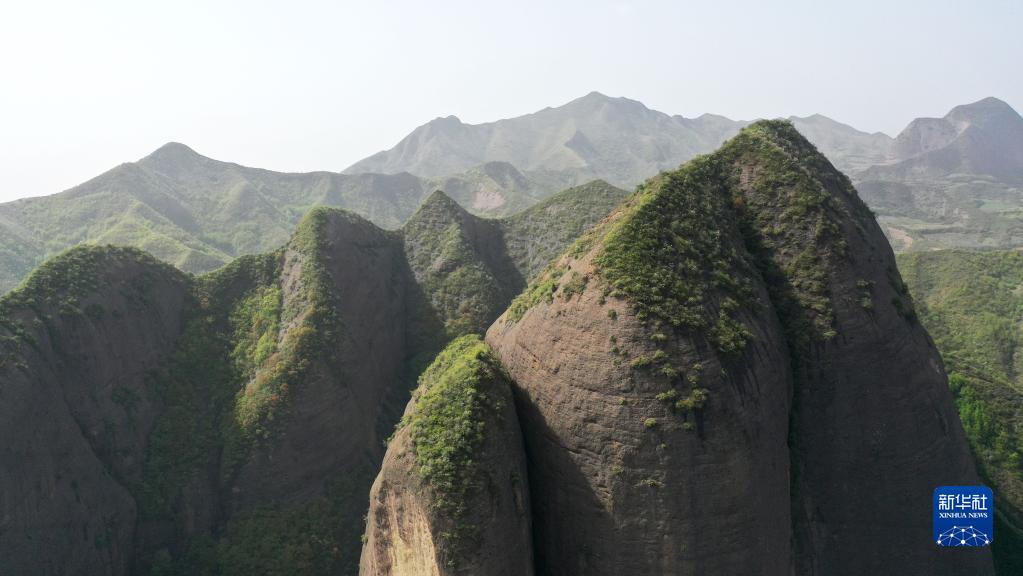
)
(667, 339)
(173, 158)
(987, 111)
(440, 127)
(985, 138)
(461, 262)
(437, 206)
(452, 495)
(82, 345)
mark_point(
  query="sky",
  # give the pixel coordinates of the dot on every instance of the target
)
(306, 85)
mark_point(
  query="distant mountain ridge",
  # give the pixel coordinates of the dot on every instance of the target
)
(953, 181)
(985, 137)
(198, 213)
(615, 139)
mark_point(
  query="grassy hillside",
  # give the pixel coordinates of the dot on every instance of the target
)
(536, 236)
(470, 268)
(459, 262)
(198, 214)
(972, 304)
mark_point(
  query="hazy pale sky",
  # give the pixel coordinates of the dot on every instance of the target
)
(304, 85)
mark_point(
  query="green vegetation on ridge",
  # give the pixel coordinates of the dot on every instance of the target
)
(443, 244)
(198, 214)
(453, 404)
(783, 189)
(663, 258)
(64, 281)
(536, 236)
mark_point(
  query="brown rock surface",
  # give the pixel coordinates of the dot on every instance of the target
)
(618, 483)
(873, 427)
(413, 529)
(76, 407)
(622, 482)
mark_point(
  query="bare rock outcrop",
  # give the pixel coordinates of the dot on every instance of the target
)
(727, 377)
(656, 433)
(452, 495)
(873, 427)
(77, 345)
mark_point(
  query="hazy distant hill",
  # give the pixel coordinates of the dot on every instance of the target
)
(955, 181)
(985, 137)
(849, 149)
(616, 139)
(596, 136)
(198, 213)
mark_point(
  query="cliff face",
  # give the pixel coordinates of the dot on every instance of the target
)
(79, 342)
(872, 419)
(315, 452)
(784, 342)
(231, 422)
(656, 432)
(452, 496)
(185, 425)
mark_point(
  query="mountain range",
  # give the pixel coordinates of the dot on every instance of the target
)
(955, 181)
(942, 182)
(199, 214)
(615, 139)
(725, 375)
(157, 404)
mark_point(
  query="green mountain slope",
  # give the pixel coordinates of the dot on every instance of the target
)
(953, 181)
(972, 304)
(461, 263)
(198, 213)
(538, 235)
(471, 267)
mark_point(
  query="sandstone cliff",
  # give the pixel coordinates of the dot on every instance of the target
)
(79, 341)
(231, 423)
(452, 496)
(873, 429)
(727, 377)
(656, 431)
